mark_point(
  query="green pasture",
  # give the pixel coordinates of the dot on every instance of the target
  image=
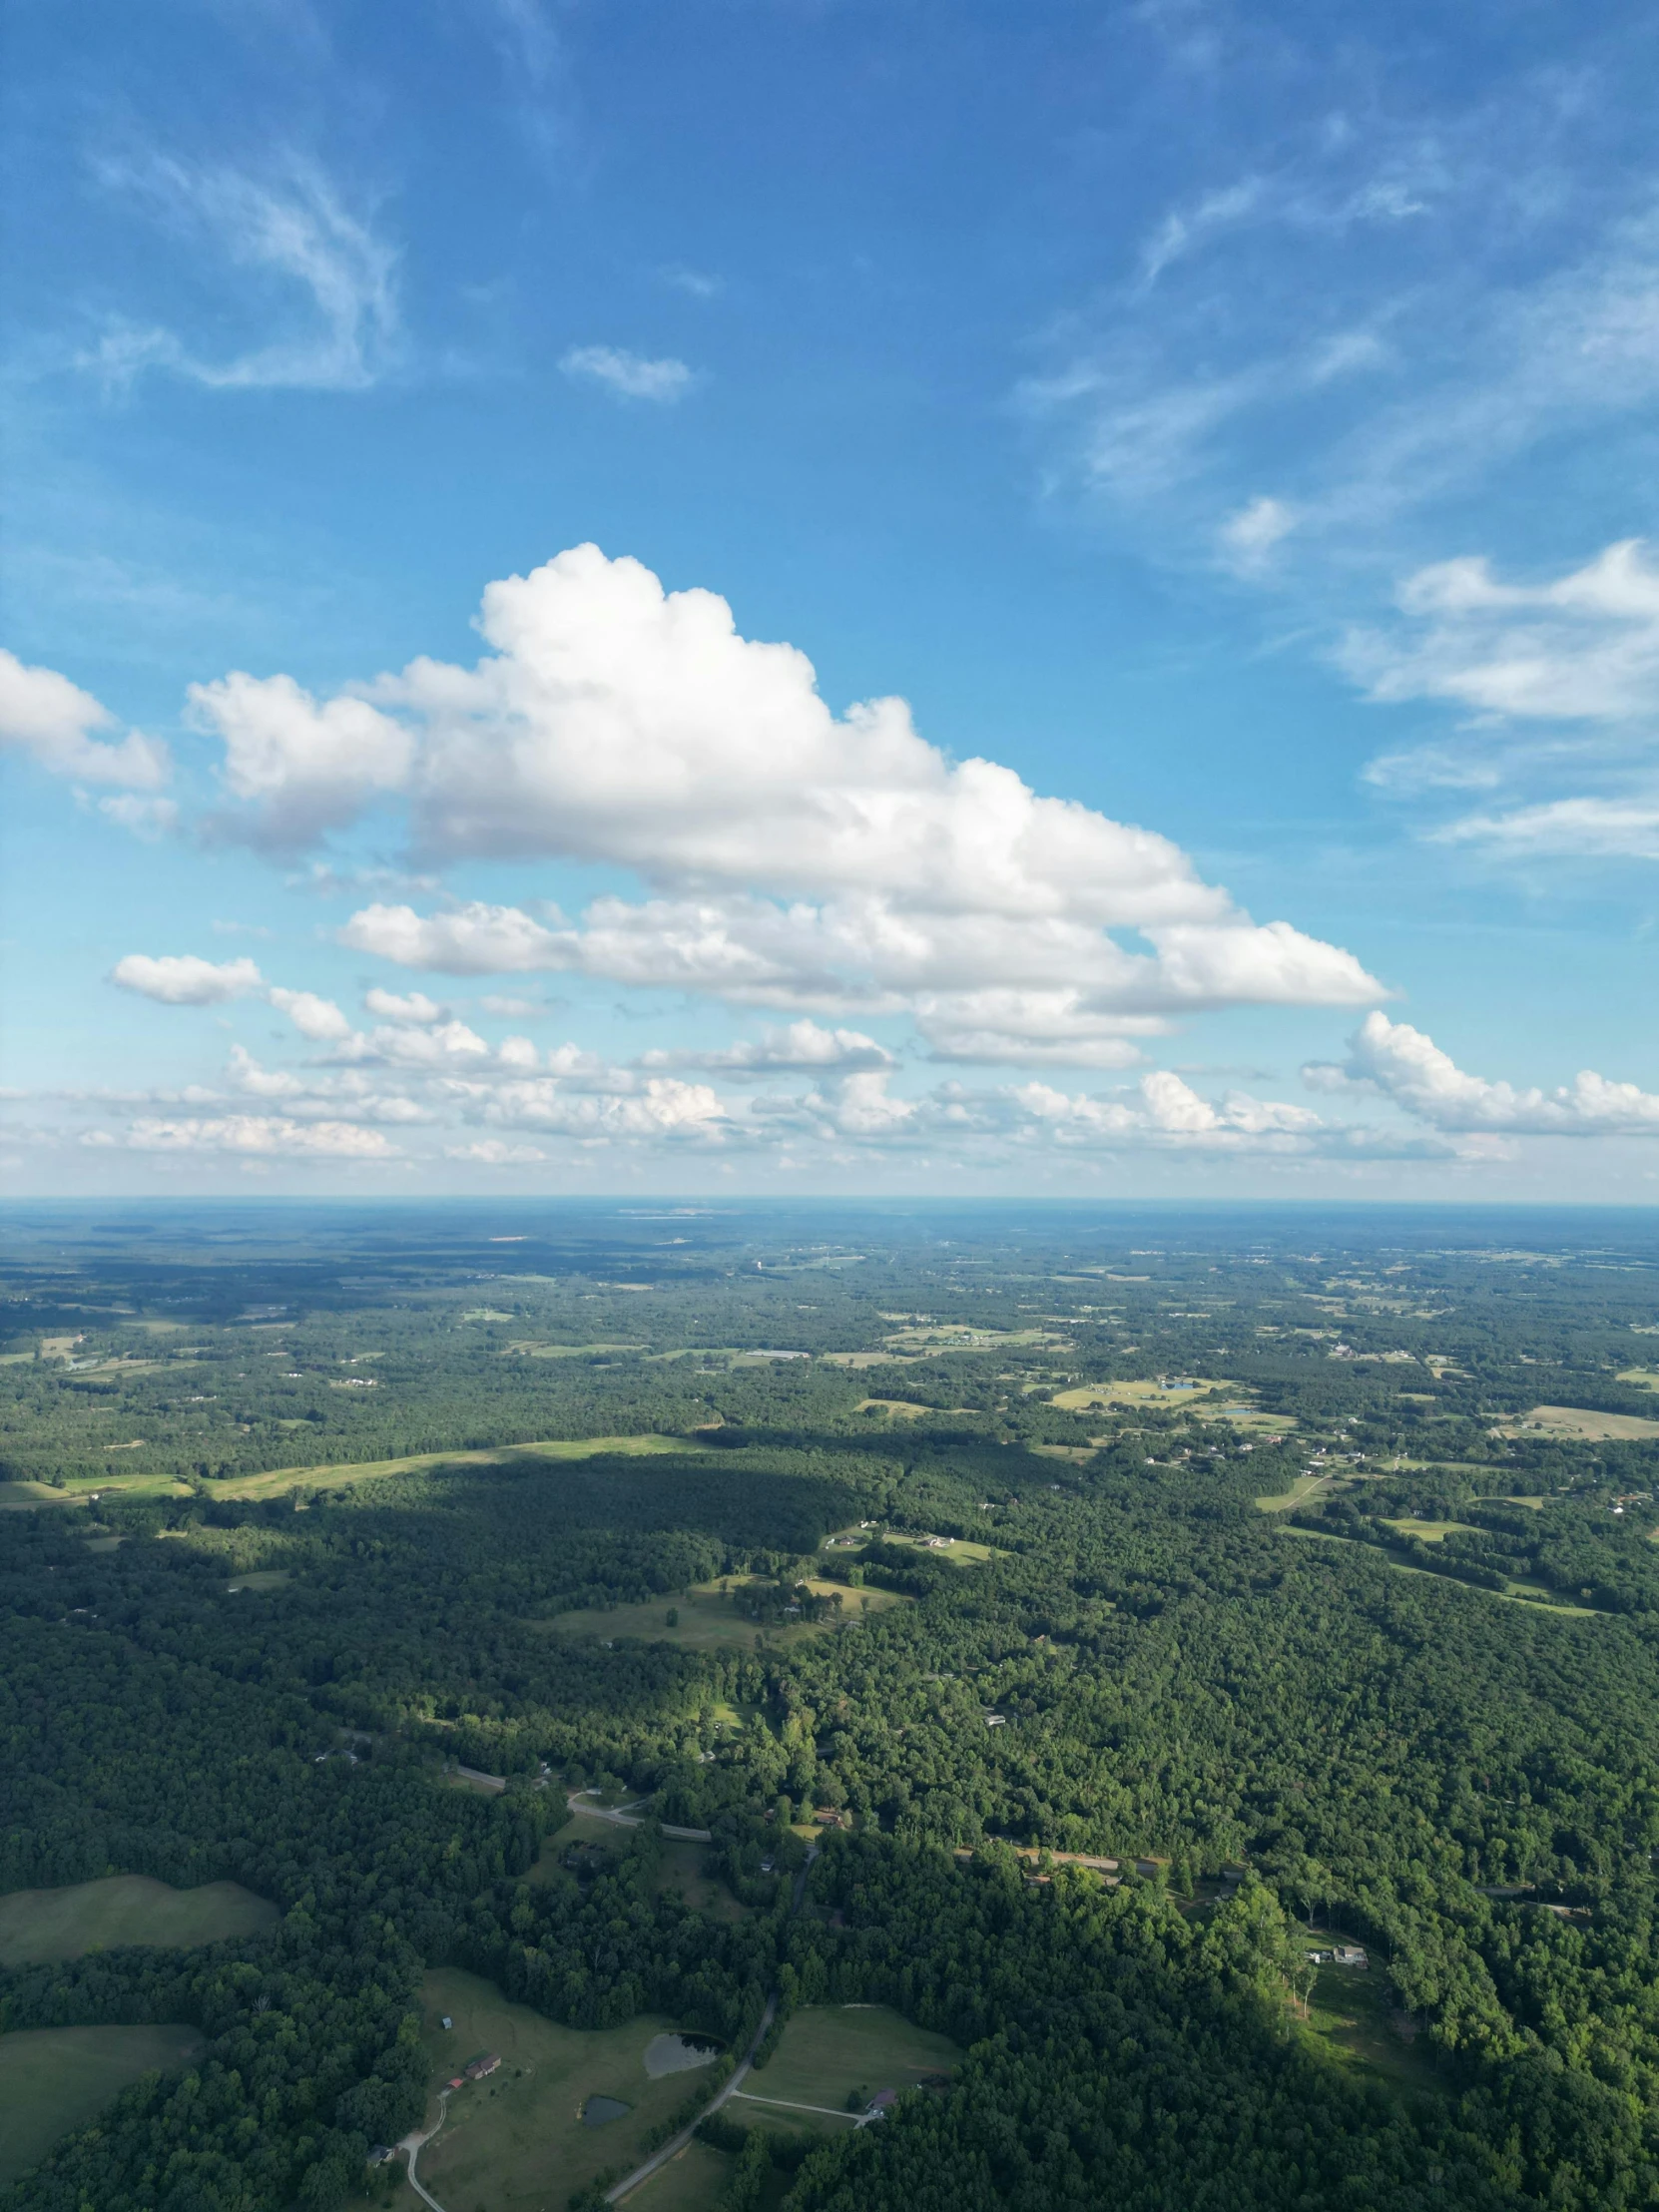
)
(41, 1925)
(1582, 1425)
(696, 2179)
(1282, 1501)
(1431, 1531)
(1089, 1397)
(53, 2079)
(829, 2051)
(515, 2142)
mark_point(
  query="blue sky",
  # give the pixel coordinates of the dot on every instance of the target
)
(470, 486)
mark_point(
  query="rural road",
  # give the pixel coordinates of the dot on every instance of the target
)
(625, 1817)
(412, 2143)
(677, 2143)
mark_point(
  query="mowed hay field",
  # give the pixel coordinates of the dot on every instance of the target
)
(694, 2180)
(1583, 1423)
(41, 1925)
(517, 2142)
(827, 2051)
(709, 1616)
(53, 2079)
(1182, 1392)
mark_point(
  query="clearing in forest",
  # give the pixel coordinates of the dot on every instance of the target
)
(827, 2051)
(711, 1613)
(1304, 1485)
(518, 2138)
(53, 2079)
(957, 1335)
(1583, 1423)
(41, 1925)
(1177, 1390)
(1354, 2017)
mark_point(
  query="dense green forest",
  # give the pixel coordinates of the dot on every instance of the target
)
(1304, 1565)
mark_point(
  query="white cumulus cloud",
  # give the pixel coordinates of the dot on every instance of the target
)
(262, 1135)
(796, 859)
(1401, 1063)
(802, 1044)
(299, 767)
(53, 719)
(317, 1018)
(185, 979)
(413, 1011)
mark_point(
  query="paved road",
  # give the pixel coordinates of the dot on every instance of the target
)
(624, 1816)
(734, 2081)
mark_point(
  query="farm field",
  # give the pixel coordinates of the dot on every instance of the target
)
(709, 1616)
(953, 1336)
(1088, 1397)
(827, 2051)
(1585, 1425)
(337, 1474)
(41, 1925)
(517, 2142)
(694, 2180)
(53, 2079)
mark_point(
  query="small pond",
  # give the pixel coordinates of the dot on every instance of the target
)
(671, 2055)
(598, 2111)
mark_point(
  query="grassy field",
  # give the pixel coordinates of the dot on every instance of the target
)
(827, 2051)
(39, 1925)
(516, 2142)
(958, 1548)
(1431, 1531)
(709, 1616)
(1353, 2017)
(1282, 1501)
(956, 1336)
(53, 2079)
(533, 1351)
(336, 1473)
(1087, 1396)
(1581, 1423)
(695, 2180)
(900, 1409)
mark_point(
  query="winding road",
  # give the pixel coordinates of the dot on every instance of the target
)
(414, 2143)
(734, 2081)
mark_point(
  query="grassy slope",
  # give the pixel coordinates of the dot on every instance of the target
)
(524, 2146)
(38, 1924)
(53, 2079)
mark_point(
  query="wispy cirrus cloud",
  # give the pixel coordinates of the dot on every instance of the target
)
(629, 376)
(281, 245)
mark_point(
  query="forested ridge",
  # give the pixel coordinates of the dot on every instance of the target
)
(1419, 1704)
